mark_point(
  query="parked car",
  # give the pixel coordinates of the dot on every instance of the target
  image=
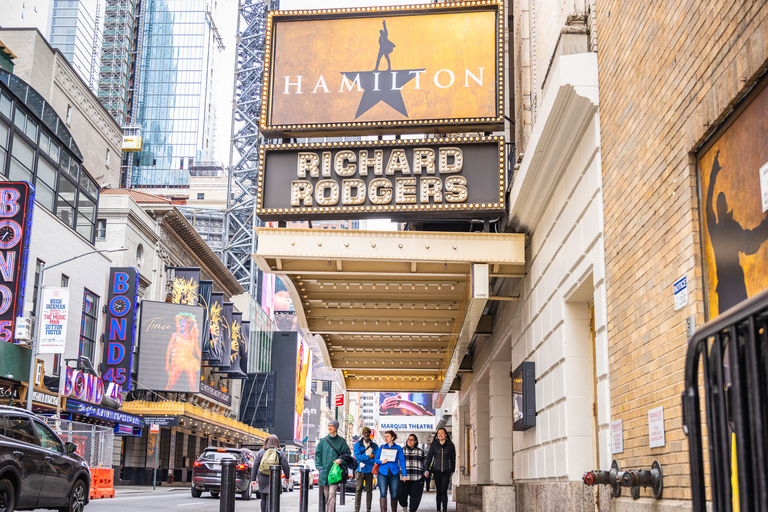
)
(206, 471)
(296, 474)
(30, 454)
(349, 485)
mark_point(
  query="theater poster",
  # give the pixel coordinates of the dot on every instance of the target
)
(734, 207)
(303, 365)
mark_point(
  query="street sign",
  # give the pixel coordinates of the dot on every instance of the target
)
(154, 429)
(339, 400)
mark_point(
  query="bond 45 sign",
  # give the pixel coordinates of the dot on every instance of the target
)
(121, 325)
(460, 177)
(384, 70)
(16, 202)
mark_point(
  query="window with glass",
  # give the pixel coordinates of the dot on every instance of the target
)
(48, 439)
(88, 324)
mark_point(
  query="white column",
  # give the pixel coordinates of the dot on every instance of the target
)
(500, 423)
(481, 448)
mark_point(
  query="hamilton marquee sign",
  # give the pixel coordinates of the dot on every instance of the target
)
(376, 70)
(460, 177)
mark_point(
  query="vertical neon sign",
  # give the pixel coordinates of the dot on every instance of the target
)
(120, 327)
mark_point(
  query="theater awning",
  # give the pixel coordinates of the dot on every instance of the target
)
(395, 310)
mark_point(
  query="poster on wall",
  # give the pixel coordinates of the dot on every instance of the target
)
(406, 404)
(55, 306)
(734, 223)
(303, 363)
(170, 345)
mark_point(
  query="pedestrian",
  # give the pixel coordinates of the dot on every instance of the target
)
(413, 486)
(441, 463)
(365, 453)
(269, 455)
(328, 452)
(392, 470)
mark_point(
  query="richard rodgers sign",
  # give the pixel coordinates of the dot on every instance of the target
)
(422, 178)
(383, 70)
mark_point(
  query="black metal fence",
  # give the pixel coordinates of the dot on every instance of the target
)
(730, 354)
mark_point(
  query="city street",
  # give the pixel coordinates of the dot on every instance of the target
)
(179, 498)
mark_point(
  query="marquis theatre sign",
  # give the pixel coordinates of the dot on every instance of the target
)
(424, 68)
(460, 177)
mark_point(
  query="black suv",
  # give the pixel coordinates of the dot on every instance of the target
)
(37, 469)
(206, 472)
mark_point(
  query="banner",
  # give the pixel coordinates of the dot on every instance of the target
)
(238, 347)
(170, 344)
(55, 309)
(186, 282)
(120, 325)
(245, 331)
(17, 201)
(303, 362)
(205, 289)
(218, 351)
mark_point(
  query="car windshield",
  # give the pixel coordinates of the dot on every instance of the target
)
(218, 456)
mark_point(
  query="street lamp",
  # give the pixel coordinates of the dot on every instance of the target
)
(36, 343)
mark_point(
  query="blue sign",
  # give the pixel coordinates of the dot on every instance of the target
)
(101, 413)
(120, 327)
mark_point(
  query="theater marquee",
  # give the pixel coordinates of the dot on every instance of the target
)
(384, 70)
(459, 177)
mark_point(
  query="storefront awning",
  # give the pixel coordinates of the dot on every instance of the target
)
(393, 309)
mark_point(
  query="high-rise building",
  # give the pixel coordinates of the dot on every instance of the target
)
(174, 93)
(74, 30)
(118, 57)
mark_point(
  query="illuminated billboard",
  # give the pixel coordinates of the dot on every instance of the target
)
(458, 177)
(423, 68)
(303, 365)
(406, 404)
(170, 347)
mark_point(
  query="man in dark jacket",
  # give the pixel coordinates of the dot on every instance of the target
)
(365, 452)
(328, 452)
(441, 462)
(272, 442)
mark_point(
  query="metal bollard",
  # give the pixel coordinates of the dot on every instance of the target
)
(227, 499)
(343, 488)
(275, 487)
(304, 490)
(321, 499)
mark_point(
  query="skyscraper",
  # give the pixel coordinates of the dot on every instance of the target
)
(174, 93)
(118, 57)
(74, 30)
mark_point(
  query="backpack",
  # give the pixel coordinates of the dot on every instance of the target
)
(270, 458)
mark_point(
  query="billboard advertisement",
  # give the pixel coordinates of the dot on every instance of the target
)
(288, 366)
(456, 177)
(55, 306)
(416, 68)
(406, 404)
(303, 366)
(17, 200)
(734, 191)
(283, 301)
(170, 344)
(120, 325)
(216, 350)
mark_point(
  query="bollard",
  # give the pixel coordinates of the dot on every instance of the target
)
(304, 490)
(343, 487)
(227, 498)
(275, 487)
(321, 499)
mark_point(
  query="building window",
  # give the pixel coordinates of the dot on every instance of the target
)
(88, 324)
(69, 113)
(101, 228)
(64, 280)
(201, 195)
(38, 267)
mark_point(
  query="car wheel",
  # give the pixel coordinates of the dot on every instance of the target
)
(246, 495)
(7, 496)
(77, 498)
(215, 494)
(196, 493)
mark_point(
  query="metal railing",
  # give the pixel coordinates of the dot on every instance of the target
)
(94, 442)
(732, 351)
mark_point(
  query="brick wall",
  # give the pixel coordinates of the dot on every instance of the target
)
(668, 73)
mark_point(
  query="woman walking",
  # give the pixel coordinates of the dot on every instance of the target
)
(392, 469)
(413, 487)
(270, 455)
(441, 462)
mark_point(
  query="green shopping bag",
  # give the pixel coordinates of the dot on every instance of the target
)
(334, 476)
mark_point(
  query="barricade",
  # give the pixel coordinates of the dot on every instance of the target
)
(102, 483)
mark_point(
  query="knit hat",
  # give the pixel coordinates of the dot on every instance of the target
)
(366, 432)
(334, 423)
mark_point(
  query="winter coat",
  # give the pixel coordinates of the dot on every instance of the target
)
(365, 463)
(393, 466)
(441, 457)
(263, 479)
(325, 455)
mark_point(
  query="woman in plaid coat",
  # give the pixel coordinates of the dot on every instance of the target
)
(413, 486)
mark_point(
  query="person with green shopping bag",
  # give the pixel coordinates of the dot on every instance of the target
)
(327, 457)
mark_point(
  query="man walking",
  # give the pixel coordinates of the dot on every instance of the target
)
(413, 486)
(328, 452)
(365, 452)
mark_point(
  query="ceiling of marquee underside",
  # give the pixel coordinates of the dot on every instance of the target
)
(389, 306)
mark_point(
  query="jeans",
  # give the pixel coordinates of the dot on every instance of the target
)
(391, 480)
(363, 481)
(442, 482)
(329, 491)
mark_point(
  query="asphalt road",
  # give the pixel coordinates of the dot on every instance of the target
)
(144, 499)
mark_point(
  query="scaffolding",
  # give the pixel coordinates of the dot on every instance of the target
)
(117, 57)
(240, 220)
